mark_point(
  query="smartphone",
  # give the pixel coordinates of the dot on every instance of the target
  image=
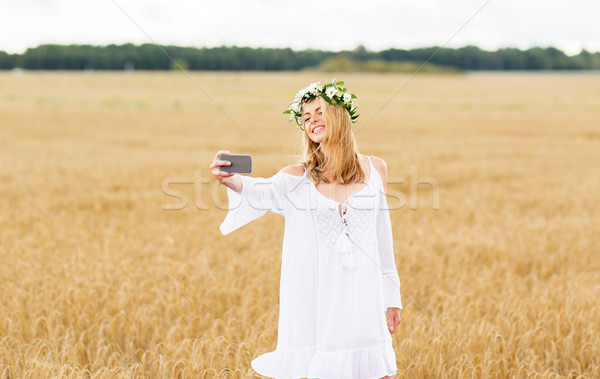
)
(240, 163)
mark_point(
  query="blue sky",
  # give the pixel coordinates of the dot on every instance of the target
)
(329, 25)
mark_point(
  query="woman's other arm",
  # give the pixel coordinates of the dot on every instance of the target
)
(390, 279)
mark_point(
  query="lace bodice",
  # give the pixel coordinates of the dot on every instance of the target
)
(357, 223)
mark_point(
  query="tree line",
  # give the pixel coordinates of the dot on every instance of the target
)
(160, 57)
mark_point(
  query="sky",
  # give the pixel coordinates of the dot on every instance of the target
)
(326, 25)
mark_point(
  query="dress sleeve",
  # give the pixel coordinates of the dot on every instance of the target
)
(258, 196)
(385, 243)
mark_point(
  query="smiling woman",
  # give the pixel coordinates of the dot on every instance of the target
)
(324, 123)
(338, 272)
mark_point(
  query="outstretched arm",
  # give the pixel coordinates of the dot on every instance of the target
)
(249, 197)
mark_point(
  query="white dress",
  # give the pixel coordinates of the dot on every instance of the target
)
(337, 279)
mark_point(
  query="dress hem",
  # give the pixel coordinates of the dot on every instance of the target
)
(372, 362)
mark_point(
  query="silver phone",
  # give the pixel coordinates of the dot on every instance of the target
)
(240, 163)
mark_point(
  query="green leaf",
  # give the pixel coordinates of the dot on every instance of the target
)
(287, 112)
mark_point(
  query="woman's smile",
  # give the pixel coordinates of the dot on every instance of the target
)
(318, 128)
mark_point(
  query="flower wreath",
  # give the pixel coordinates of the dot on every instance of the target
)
(332, 93)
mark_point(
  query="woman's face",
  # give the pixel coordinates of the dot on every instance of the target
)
(312, 117)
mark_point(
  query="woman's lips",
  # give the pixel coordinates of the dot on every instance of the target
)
(318, 128)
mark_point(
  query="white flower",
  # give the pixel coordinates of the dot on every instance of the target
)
(315, 89)
(296, 108)
(309, 89)
(331, 92)
(347, 98)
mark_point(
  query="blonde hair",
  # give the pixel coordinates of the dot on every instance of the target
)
(342, 162)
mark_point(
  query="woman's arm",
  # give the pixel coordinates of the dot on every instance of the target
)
(385, 242)
(249, 197)
(392, 301)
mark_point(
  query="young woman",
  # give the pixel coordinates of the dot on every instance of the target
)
(338, 273)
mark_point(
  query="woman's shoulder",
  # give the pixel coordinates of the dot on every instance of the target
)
(295, 169)
(380, 165)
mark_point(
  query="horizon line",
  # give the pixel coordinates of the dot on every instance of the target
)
(359, 46)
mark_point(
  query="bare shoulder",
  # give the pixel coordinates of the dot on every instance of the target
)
(381, 167)
(294, 169)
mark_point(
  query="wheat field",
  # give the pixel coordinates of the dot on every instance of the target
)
(106, 274)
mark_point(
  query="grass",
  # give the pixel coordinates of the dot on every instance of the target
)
(98, 280)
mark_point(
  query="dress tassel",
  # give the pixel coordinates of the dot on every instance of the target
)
(343, 245)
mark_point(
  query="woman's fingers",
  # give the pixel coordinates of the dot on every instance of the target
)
(396, 320)
(393, 320)
(217, 157)
(221, 152)
(217, 163)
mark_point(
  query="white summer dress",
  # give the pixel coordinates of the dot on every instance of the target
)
(337, 278)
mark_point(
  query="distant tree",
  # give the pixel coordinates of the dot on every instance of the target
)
(7, 61)
(512, 59)
(361, 54)
(154, 57)
(179, 64)
(538, 59)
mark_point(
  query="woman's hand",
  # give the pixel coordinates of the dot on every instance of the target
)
(229, 179)
(393, 315)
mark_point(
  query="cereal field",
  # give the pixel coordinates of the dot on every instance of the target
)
(105, 274)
